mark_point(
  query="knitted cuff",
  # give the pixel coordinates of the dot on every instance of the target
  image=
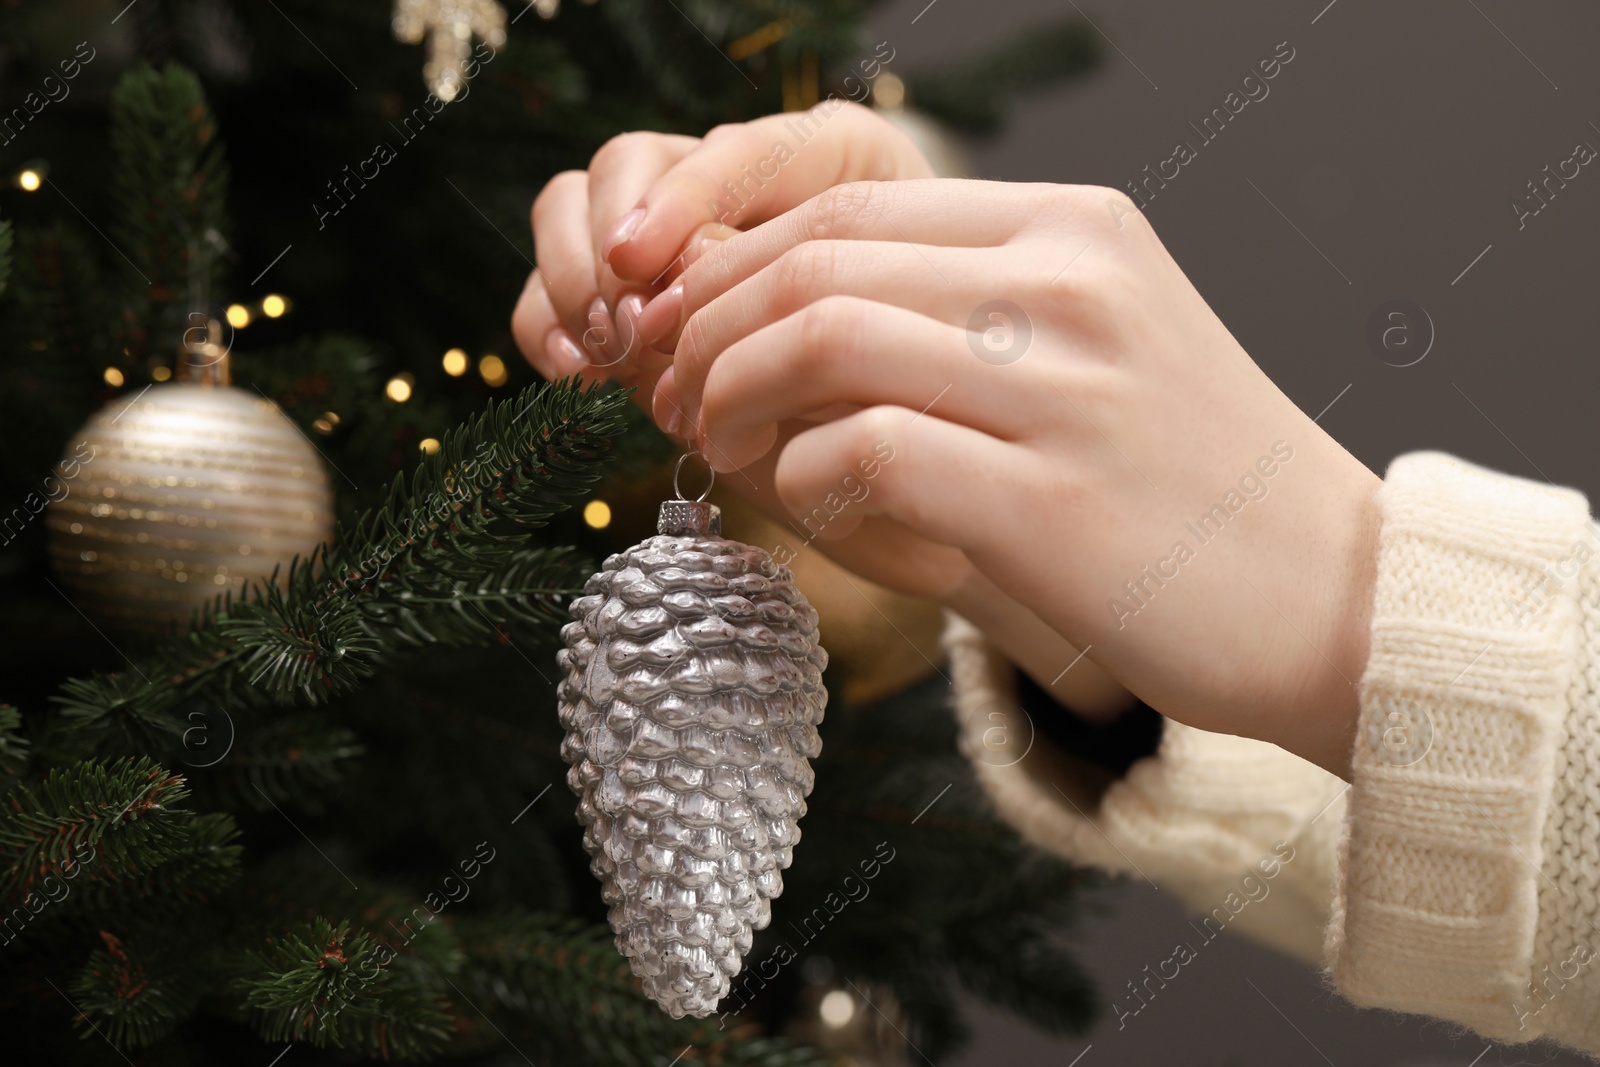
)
(1473, 649)
(1201, 819)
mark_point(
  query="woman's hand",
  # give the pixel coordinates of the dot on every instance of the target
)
(623, 231)
(1065, 410)
(611, 237)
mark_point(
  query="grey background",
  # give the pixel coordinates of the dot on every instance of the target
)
(1396, 141)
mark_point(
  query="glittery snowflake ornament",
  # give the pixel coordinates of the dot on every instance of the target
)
(448, 26)
(691, 698)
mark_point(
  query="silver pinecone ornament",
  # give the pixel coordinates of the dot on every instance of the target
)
(691, 698)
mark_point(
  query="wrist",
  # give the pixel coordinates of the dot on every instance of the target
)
(1326, 732)
(1061, 669)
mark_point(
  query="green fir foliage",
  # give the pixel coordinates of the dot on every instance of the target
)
(333, 813)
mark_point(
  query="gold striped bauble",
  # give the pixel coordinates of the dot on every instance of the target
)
(184, 491)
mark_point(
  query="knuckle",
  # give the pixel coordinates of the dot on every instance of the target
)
(806, 268)
(616, 149)
(554, 190)
(879, 426)
(838, 210)
(826, 328)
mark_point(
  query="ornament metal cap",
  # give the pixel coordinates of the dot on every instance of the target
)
(202, 357)
(690, 518)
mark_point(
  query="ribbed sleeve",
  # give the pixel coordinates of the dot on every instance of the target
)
(1195, 819)
(1476, 646)
(1459, 872)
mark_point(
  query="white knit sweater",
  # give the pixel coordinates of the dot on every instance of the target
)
(1458, 874)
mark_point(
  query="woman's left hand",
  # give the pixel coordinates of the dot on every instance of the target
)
(1062, 405)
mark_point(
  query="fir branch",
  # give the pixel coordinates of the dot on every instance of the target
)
(291, 759)
(565, 980)
(532, 589)
(13, 746)
(457, 525)
(57, 327)
(132, 998)
(330, 985)
(201, 867)
(122, 817)
(317, 375)
(170, 185)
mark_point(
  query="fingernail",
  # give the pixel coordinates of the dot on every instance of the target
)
(702, 446)
(623, 231)
(660, 317)
(665, 406)
(628, 310)
(698, 249)
(564, 351)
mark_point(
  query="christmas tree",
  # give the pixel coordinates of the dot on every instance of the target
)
(330, 811)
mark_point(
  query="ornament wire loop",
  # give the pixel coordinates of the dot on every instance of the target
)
(679, 468)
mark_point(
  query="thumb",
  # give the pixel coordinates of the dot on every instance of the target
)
(749, 172)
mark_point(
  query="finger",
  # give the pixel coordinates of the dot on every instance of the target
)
(531, 320)
(843, 350)
(895, 556)
(543, 341)
(752, 171)
(564, 250)
(702, 240)
(945, 482)
(619, 174)
(942, 283)
(915, 214)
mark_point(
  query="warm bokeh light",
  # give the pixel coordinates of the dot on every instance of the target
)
(889, 92)
(455, 363)
(399, 388)
(30, 180)
(429, 445)
(238, 316)
(161, 374)
(493, 369)
(837, 1008)
(597, 513)
(113, 376)
(273, 305)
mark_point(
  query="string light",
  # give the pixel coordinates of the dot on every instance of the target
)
(161, 374)
(429, 445)
(399, 388)
(113, 376)
(889, 92)
(597, 513)
(837, 1008)
(493, 370)
(325, 425)
(455, 363)
(238, 316)
(273, 305)
(30, 180)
